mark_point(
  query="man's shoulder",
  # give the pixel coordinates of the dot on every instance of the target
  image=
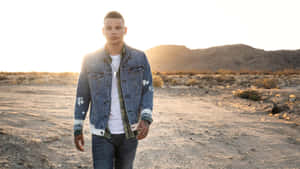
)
(135, 52)
(97, 53)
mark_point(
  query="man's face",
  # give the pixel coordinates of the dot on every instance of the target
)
(114, 30)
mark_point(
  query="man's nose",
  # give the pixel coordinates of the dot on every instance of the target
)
(114, 30)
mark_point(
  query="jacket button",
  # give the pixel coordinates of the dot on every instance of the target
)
(127, 96)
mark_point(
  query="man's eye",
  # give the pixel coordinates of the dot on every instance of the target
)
(108, 28)
(118, 27)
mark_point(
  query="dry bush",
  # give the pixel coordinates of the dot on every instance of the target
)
(244, 71)
(165, 78)
(225, 79)
(174, 82)
(232, 72)
(192, 82)
(267, 83)
(207, 78)
(3, 77)
(67, 74)
(181, 73)
(224, 71)
(20, 80)
(287, 72)
(169, 80)
(206, 72)
(191, 73)
(31, 78)
(157, 81)
(250, 72)
(163, 73)
(40, 78)
(248, 94)
(155, 73)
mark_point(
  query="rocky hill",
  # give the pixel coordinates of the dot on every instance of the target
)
(230, 57)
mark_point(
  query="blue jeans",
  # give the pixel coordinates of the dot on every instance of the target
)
(117, 152)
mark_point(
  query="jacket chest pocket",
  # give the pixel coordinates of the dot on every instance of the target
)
(96, 81)
(95, 75)
(135, 77)
(135, 69)
(136, 73)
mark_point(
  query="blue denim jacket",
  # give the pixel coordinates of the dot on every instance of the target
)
(94, 89)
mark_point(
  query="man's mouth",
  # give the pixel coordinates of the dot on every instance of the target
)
(114, 38)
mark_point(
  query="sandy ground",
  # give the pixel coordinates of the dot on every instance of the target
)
(191, 130)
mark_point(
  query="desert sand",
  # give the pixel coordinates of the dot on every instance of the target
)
(193, 128)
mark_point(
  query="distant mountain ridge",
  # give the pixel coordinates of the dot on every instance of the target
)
(230, 57)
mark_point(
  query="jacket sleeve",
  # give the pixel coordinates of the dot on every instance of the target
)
(82, 99)
(147, 93)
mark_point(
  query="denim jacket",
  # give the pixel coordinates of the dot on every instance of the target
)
(94, 89)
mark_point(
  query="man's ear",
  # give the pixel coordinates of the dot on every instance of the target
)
(125, 30)
(103, 30)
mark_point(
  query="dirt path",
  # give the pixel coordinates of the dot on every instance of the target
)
(188, 132)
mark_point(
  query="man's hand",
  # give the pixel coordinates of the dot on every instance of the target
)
(79, 142)
(143, 128)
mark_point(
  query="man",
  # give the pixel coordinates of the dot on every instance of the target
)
(116, 82)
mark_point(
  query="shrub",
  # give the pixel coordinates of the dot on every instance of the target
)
(174, 82)
(3, 78)
(191, 82)
(266, 83)
(21, 80)
(208, 78)
(157, 81)
(225, 79)
(224, 71)
(248, 94)
(287, 72)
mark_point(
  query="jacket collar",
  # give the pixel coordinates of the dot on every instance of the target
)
(125, 54)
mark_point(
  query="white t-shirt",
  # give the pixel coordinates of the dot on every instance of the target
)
(115, 122)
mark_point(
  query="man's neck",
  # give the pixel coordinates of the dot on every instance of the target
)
(114, 49)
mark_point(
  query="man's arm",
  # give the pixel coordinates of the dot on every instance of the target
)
(81, 105)
(146, 106)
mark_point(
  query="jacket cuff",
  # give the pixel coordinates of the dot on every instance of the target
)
(147, 115)
(78, 126)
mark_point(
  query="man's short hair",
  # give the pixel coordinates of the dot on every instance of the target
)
(114, 14)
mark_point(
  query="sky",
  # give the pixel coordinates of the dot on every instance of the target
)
(54, 35)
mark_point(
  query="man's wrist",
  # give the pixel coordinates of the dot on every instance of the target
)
(77, 132)
(147, 121)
